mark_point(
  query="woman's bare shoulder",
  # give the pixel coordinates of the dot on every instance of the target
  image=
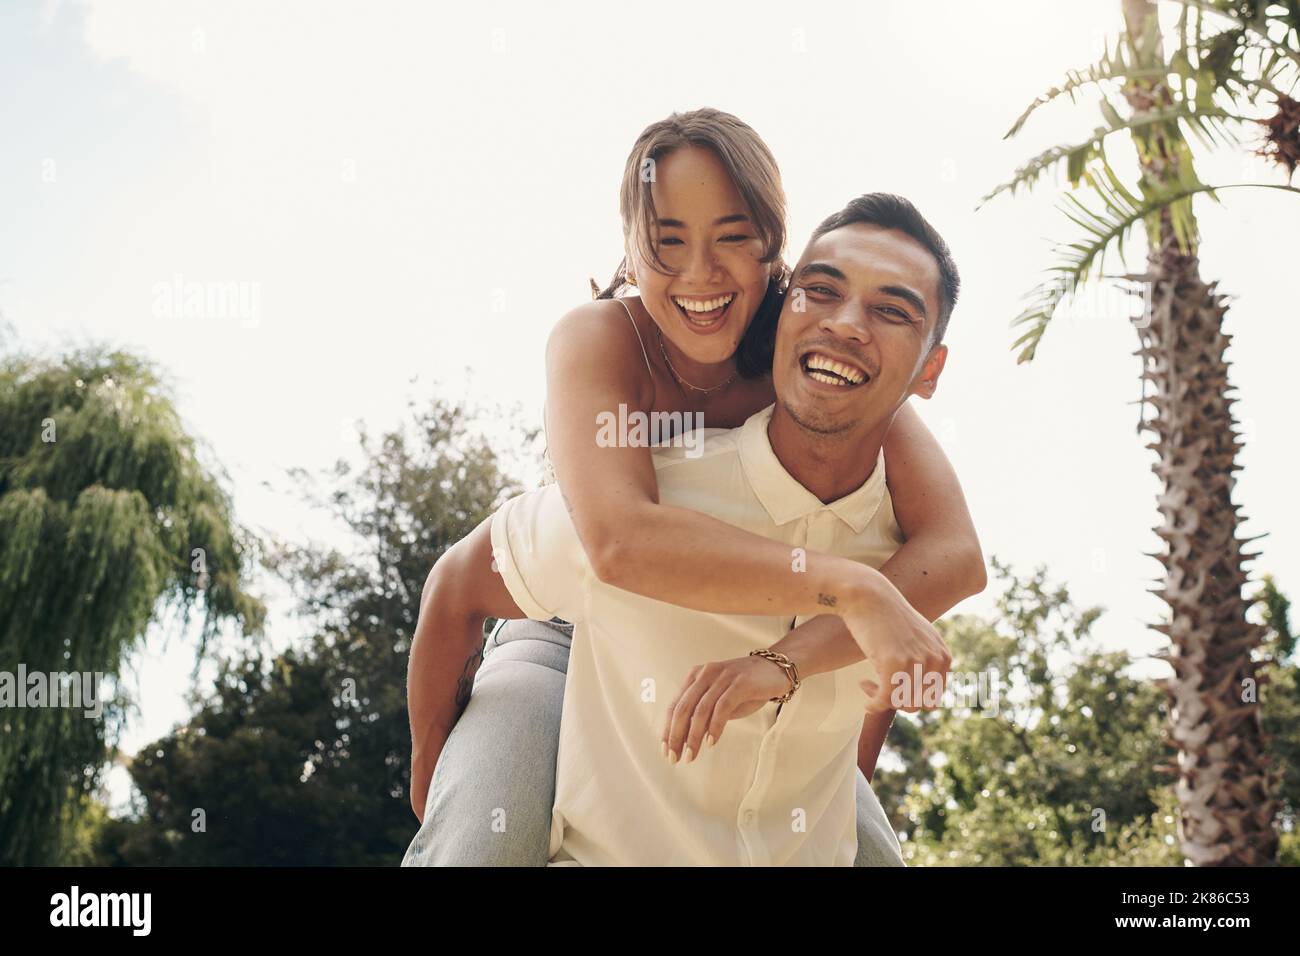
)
(599, 332)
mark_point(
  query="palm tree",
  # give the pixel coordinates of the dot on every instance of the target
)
(1233, 62)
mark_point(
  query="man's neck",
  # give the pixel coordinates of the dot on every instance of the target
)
(829, 465)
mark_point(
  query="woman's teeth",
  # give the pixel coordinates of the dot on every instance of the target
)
(831, 372)
(704, 313)
(704, 305)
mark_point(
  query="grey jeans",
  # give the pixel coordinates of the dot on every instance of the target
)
(492, 791)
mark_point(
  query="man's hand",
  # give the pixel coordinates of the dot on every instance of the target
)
(715, 693)
(898, 641)
(421, 776)
(424, 760)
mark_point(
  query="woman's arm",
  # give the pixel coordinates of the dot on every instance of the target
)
(594, 365)
(940, 564)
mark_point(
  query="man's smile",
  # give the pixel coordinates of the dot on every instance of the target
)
(830, 370)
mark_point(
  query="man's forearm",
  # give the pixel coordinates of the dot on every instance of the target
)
(444, 659)
(446, 650)
(462, 591)
(820, 645)
(824, 644)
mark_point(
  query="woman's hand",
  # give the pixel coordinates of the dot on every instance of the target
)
(713, 694)
(910, 658)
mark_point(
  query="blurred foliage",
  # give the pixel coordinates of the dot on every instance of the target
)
(1061, 762)
(105, 512)
(303, 758)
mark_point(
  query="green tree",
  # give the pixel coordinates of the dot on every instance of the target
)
(107, 520)
(1280, 696)
(1233, 67)
(1064, 759)
(304, 759)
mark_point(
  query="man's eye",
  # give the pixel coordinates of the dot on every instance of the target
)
(820, 289)
(903, 316)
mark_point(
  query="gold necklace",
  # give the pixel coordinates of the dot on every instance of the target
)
(682, 381)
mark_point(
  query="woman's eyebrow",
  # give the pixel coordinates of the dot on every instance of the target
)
(720, 221)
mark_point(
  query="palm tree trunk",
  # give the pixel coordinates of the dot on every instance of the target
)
(1224, 783)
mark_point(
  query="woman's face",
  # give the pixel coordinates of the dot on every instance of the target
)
(705, 236)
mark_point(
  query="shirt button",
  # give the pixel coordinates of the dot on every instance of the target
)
(749, 816)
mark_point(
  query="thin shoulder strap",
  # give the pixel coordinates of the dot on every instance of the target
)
(644, 353)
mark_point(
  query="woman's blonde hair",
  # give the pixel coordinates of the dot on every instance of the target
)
(751, 168)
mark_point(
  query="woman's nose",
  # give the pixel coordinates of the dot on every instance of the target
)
(702, 265)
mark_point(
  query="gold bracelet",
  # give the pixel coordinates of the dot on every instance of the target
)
(787, 665)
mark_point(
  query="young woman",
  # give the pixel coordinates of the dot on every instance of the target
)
(703, 215)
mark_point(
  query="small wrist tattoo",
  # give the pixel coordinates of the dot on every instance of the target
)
(827, 600)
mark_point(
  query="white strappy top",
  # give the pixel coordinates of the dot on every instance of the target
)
(644, 353)
(648, 367)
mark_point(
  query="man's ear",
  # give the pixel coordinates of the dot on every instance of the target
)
(926, 382)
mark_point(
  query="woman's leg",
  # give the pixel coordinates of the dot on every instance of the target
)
(493, 789)
(877, 842)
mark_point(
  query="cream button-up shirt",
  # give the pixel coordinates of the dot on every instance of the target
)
(778, 788)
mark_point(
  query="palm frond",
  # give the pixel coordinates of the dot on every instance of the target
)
(1112, 66)
(1259, 26)
(1106, 228)
(1209, 125)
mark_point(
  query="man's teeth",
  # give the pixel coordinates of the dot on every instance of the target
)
(704, 305)
(819, 365)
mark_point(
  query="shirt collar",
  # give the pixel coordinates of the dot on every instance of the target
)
(781, 494)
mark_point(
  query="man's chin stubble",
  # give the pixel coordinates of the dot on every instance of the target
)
(822, 429)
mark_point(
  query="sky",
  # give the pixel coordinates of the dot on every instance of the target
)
(405, 197)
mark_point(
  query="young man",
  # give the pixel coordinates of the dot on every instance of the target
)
(758, 783)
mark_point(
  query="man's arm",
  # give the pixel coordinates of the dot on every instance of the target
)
(825, 644)
(462, 590)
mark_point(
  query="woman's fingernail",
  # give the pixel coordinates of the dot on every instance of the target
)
(664, 745)
(690, 755)
(672, 756)
(709, 741)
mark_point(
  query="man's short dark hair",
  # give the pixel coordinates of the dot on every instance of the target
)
(894, 212)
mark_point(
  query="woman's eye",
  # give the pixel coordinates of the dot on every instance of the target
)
(736, 238)
(670, 241)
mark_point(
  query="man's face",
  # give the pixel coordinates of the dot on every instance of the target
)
(853, 339)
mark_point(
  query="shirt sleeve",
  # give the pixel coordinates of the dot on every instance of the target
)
(536, 550)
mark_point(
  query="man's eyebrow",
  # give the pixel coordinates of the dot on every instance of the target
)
(720, 221)
(822, 269)
(897, 291)
(907, 295)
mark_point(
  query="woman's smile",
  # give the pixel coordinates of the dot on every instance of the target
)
(704, 315)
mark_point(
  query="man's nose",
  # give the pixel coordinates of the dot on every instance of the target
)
(848, 322)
